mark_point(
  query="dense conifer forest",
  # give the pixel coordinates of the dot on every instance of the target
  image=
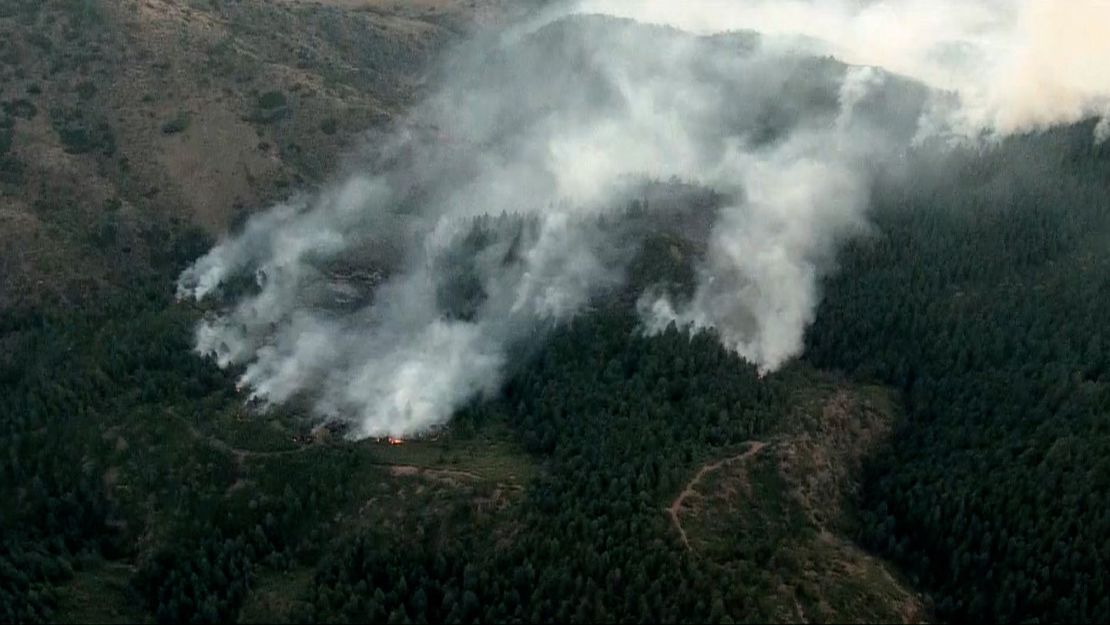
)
(982, 298)
(939, 451)
(978, 302)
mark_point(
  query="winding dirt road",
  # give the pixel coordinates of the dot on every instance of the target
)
(395, 469)
(676, 505)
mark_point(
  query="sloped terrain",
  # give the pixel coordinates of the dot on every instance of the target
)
(618, 475)
(784, 506)
(125, 124)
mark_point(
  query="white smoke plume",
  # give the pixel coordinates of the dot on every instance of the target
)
(1016, 65)
(495, 210)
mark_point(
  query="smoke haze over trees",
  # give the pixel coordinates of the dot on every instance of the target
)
(711, 311)
(563, 120)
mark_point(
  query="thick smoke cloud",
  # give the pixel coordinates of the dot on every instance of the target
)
(1016, 65)
(495, 210)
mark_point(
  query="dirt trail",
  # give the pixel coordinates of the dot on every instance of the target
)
(676, 505)
(240, 455)
(395, 469)
(410, 469)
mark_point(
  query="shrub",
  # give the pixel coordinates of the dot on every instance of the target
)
(11, 170)
(178, 124)
(272, 100)
(20, 108)
(40, 41)
(80, 135)
(86, 90)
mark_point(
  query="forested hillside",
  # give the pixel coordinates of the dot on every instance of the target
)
(142, 488)
(940, 451)
(983, 297)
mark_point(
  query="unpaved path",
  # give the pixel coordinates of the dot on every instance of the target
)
(240, 455)
(395, 469)
(398, 470)
(676, 505)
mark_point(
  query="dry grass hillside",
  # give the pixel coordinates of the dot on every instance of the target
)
(127, 123)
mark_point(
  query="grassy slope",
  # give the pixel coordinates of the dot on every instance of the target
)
(131, 120)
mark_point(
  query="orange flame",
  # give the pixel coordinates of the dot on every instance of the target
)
(395, 441)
